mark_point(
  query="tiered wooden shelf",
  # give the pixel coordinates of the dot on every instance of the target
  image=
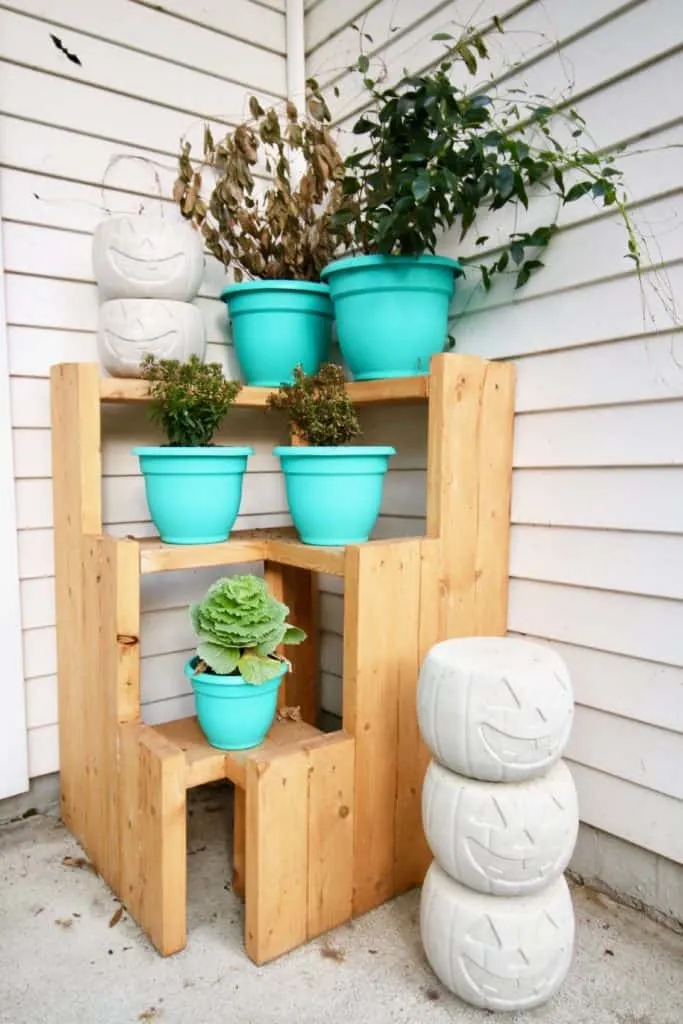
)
(327, 825)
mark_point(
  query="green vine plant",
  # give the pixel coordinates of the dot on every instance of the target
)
(189, 401)
(433, 155)
(284, 231)
(319, 411)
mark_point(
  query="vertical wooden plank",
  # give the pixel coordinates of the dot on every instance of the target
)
(239, 830)
(298, 589)
(412, 855)
(154, 835)
(302, 686)
(468, 490)
(494, 499)
(76, 469)
(276, 855)
(273, 574)
(381, 617)
(330, 833)
(110, 662)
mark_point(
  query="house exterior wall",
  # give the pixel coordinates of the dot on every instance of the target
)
(78, 141)
(597, 537)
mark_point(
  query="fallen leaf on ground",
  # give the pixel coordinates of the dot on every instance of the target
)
(332, 953)
(151, 1014)
(116, 917)
(292, 714)
(64, 922)
(79, 862)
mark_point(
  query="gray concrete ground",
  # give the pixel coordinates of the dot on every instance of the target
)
(64, 959)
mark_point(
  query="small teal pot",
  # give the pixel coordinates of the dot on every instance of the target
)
(276, 325)
(233, 715)
(193, 494)
(334, 494)
(391, 312)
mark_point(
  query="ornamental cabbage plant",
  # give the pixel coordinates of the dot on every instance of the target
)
(239, 624)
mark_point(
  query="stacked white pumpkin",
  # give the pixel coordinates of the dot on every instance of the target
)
(500, 815)
(148, 270)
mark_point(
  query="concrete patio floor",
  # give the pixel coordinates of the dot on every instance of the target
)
(65, 959)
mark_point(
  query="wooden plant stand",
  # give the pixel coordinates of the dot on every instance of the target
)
(327, 825)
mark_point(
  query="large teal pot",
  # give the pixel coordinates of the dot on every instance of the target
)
(334, 494)
(276, 325)
(233, 715)
(193, 494)
(391, 312)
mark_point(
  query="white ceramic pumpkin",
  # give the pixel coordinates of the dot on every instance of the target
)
(497, 952)
(129, 328)
(147, 257)
(495, 708)
(508, 840)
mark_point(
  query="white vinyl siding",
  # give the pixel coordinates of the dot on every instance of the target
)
(596, 559)
(67, 135)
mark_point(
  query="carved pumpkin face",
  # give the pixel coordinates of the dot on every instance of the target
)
(495, 952)
(495, 708)
(147, 257)
(130, 328)
(502, 959)
(506, 840)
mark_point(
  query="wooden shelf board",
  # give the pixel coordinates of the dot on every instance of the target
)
(279, 545)
(207, 764)
(403, 389)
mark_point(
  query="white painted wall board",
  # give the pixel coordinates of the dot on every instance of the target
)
(13, 747)
(631, 812)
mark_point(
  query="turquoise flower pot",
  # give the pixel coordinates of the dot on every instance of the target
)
(233, 715)
(391, 312)
(193, 494)
(276, 325)
(334, 494)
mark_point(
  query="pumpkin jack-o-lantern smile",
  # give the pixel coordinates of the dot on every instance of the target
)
(146, 268)
(130, 328)
(147, 256)
(499, 959)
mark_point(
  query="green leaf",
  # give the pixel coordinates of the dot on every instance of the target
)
(526, 272)
(439, 36)
(470, 61)
(293, 635)
(497, 22)
(223, 660)
(256, 669)
(517, 252)
(421, 186)
(363, 63)
(577, 191)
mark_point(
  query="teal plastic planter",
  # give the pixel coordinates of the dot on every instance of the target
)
(277, 325)
(193, 494)
(391, 312)
(334, 494)
(233, 715)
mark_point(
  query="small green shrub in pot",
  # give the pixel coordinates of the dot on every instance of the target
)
(236, 672)
(334, 489)
(193, 487)
(433, 155)
(279, 236)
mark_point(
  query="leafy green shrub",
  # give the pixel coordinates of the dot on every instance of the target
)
(433, 155)
(284, 232)
(318, 408)
(239, 625)
(189, 400)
